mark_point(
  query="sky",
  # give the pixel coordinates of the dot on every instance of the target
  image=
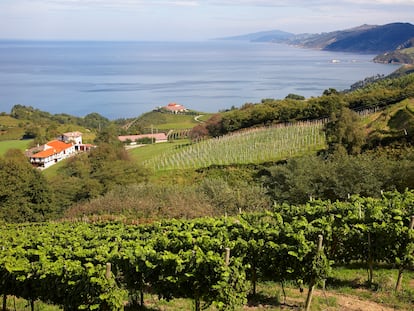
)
(188, 20)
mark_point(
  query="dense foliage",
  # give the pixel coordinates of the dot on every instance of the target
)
(24, 192)
(338, 176)
(27, 195)
(27, 113)
(213, 196)
(93, 174)
(189, 258)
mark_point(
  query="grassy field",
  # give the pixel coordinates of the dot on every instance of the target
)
(9, 121)
(182, 122)
(167, 121)
(14, 144)
(148, 152)
(345, 290)
(408, 51)
(390, 121)
(10, 129)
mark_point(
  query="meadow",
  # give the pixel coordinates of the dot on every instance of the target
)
(14, 144)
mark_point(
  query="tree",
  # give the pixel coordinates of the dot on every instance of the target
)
(344, 132)
(24, 192)
(198, 132)
(295, 96)
(95, 120)
(52, 131)
(88, 176)
(108, 135)
(214, 125)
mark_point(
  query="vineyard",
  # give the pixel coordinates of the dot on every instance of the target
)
(212, 261)
(255, 145)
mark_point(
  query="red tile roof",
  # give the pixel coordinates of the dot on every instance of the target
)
(55, 146)
(175, 107)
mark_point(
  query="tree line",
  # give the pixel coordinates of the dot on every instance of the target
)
(379, 93)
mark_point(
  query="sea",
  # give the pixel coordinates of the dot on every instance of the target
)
(127, 79)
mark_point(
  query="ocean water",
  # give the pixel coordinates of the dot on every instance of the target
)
(126, 79)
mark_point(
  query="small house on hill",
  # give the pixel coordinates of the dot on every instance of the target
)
(134, 139)
(175, 108)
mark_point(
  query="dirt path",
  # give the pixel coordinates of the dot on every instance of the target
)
(197, 118)
(353, 303)
(342, 302)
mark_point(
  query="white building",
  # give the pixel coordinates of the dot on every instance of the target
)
(52, 152)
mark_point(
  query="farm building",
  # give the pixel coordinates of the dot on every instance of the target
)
(51, 153)
(67, 145)
(175, 108)
(74, 137)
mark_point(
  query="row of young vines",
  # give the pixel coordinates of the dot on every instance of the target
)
(256, 145)
(212, 261)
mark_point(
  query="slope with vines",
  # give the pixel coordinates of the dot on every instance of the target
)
(257, 145)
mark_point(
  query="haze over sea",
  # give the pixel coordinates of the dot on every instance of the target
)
(126, 79)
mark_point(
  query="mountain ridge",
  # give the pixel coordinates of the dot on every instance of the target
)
(360, 39)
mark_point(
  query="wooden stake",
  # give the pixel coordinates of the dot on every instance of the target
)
(401, 269)
(370, 261)
(312, 281)
(108, 271)
(227, 260)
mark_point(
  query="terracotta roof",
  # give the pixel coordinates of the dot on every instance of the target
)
(54, 146)
(175, 107)
(44, 154)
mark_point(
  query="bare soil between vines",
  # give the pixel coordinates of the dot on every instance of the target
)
(343, 302)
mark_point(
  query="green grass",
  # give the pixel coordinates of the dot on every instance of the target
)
(178, 122)
(203, 117)
(13, 144)
(10, 129)
(408, 51)
(148, 152)
(52, 170)
(384, 122)
(353, 281)
(20, 304)
(168, 121)
(9, 121)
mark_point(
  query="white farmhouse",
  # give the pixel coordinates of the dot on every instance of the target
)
(52, 152)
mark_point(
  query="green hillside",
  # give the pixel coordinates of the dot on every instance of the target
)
(14, 144)
(163, 121)
(395, 123)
